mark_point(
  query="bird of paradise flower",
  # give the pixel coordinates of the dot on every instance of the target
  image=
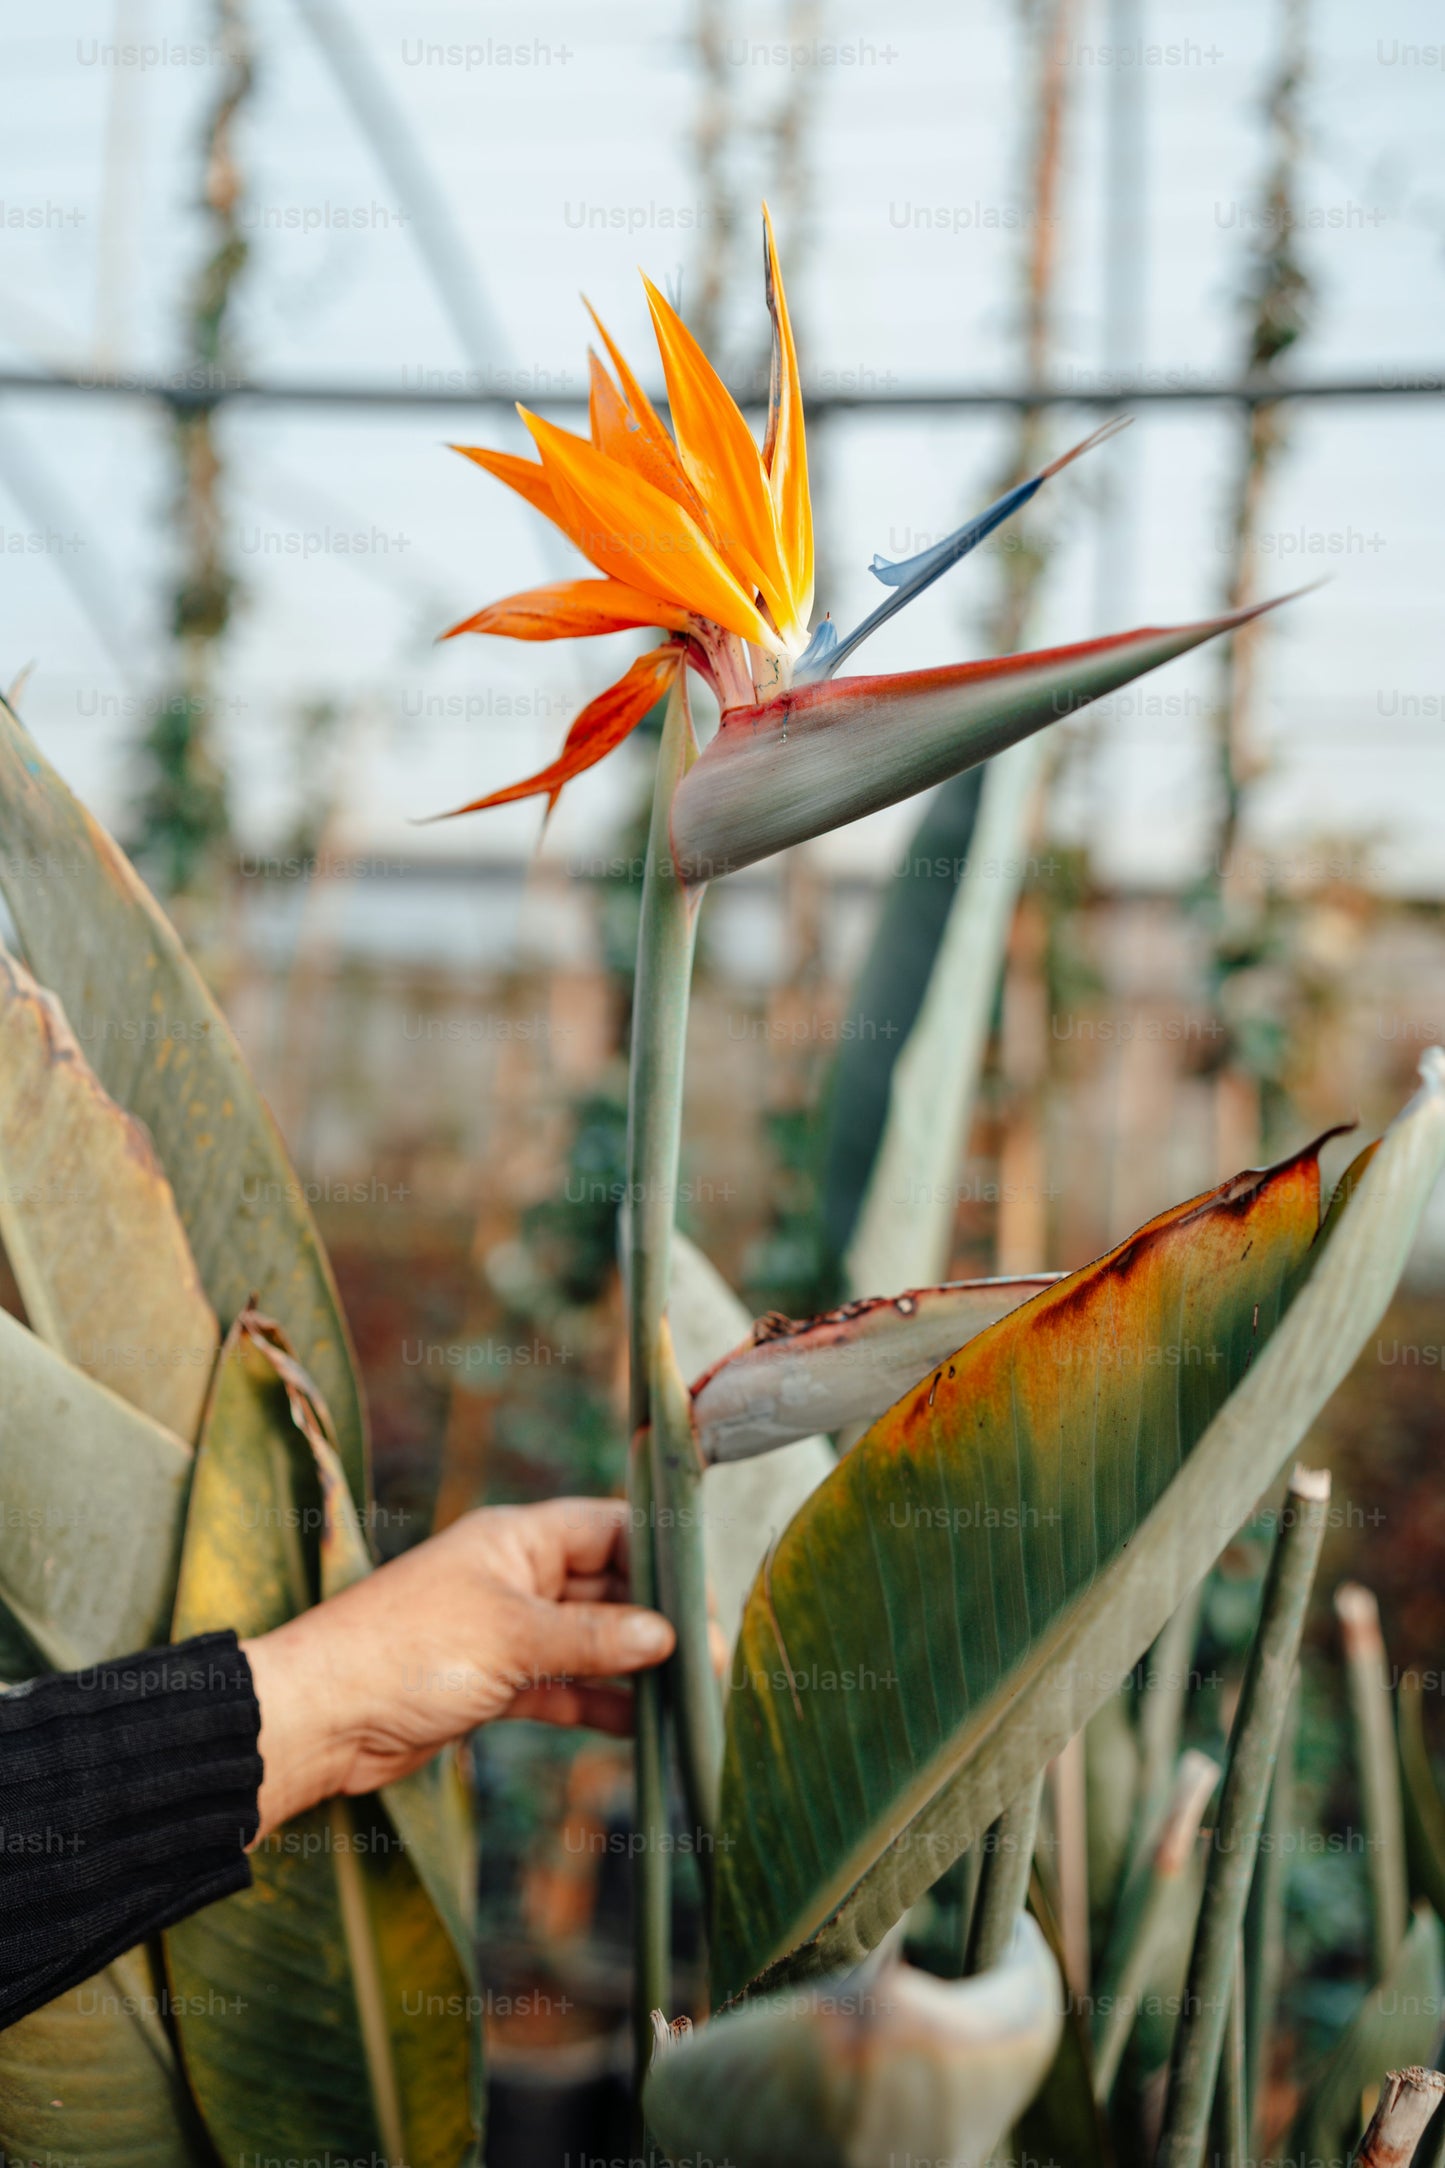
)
(710, 539)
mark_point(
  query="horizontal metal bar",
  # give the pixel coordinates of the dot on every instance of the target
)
(379, 867)
(184, 393)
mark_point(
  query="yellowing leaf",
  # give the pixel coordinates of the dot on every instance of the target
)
(89, 1220)
(958, 1597)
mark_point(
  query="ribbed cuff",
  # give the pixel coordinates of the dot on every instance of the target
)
(127, 1799)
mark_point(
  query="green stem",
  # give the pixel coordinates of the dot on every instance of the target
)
(1007, 1859)
(1268, 1681)
(1145, 1906)
(961, 1880)
(1230, 2141)
(677, 1473)
(654, 1122)
(1161, 1712)
(1378, 1759)
(1071, 1850)
(652, 1872)
(1264, 1920)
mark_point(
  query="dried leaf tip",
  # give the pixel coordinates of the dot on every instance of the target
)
(1359, 1615)
(666, 2036)
(1310, 1485)
(1408, 2100)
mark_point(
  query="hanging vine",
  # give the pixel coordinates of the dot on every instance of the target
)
(183, 820)
(1248, 915)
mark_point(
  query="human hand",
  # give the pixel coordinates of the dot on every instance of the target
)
(512, 1611)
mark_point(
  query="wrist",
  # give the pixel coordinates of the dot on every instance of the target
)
(303, 1740)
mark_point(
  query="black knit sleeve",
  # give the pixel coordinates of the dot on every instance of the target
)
(127, 1798)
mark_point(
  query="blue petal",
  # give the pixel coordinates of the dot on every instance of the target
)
(816, 656)
(909, 578)
(919, 572)
(910, 575)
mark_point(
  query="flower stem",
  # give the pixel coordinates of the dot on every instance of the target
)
(1230, 2140)
(1161, 1715)
(1142, 1914)
(654, 1121)
(1008, 1860)
(1379, 1769)
(1264, 1922)
(1264, 1699)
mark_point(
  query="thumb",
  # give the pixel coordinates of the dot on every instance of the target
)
(592, 1640)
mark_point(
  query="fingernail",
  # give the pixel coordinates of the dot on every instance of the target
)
(647, 1635)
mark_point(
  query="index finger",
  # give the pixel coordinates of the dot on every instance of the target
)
(583, 1537)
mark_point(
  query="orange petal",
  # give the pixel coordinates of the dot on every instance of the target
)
(606, 411)
(653, 452)
(524, 475)
(785, 454)
(603, 724)
(716, 447)
(572, 610)
(623, 524)
(533, 482)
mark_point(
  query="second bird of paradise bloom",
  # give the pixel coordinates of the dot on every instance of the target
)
(704, 535)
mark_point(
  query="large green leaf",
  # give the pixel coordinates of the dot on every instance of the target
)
(94, 1505)
(1398, 2023)
(864, 2072)
(93, 2078)
(92, 932)
(905, 1223)
(326, 2009)
(917, 908)
(89, 1221)
(954, 1602)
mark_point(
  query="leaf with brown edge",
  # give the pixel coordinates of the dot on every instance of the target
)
(792, 1377)
(603, 724)
(956, 1599)
(89, 1220)
(92, 932)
